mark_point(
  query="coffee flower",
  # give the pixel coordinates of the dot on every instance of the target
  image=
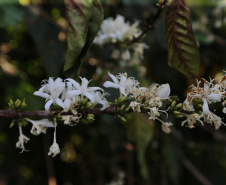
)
(116, 30)
(82, 89)
(54, 149)
(121, 82)
(51, 90)
(207, 94)
(22, 139)
(40, 126)
(99, 99)
(191, 119)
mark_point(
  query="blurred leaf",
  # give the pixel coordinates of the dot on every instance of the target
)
(45, 34)
(84, 18)
(140, 131)
(183, 52)
(10, 15)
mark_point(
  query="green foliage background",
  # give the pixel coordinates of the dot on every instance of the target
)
(32, 48)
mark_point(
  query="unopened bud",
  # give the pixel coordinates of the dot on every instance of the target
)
(179, 105)
(163, 91)
(84, 101)
(18, 103)
(173, 104)
(89, 105)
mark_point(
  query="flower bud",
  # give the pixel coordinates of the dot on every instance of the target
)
(163, 91)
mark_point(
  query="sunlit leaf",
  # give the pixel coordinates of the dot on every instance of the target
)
(183, 52)
(85, 17)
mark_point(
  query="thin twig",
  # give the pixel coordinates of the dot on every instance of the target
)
(149, 24)
(199, 176)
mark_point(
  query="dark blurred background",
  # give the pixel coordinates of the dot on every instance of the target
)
(108, 151)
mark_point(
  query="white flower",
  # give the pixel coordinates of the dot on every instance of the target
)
(51, 90)
(153, 113)
(54, 149)
(71, 118)
(224, 110)
(117, 84)
(191, 119)
(135, 106)
(121, 82)
(82, 89)
(206, 94)
(212, 118)
(67, 100)
(40, 126)
(187, 105)
(99, 99)
(139, 50)
(166, 127)
(163, 91)
(116, 31)
(22, 139)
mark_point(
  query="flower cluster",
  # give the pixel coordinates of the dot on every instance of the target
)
(121, 32)
(208, 94)
(147, 100)
(69, 95)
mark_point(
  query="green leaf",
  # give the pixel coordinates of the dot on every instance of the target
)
(85, 17)
(140, 131)
(183, 52)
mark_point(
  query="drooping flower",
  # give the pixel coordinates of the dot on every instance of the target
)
(40, 126)
(22, 139)
(82, 89)
(54, 148)
(166, 127)
(51, 91)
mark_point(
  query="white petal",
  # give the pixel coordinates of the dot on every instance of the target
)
(73, 93)
(214, 97)
(196, 96)
(41, 94)
(94, 89)
(122, 90)
(85, 83)
(48, 104)
(74, 83)
(113, 78)
(104, 104)
(111, 84)
(205, 107)
(59, 102)
(51, 84)
(90, 96)
(67, 103)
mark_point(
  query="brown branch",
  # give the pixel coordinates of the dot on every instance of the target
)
(149, 24)
(47, 114)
